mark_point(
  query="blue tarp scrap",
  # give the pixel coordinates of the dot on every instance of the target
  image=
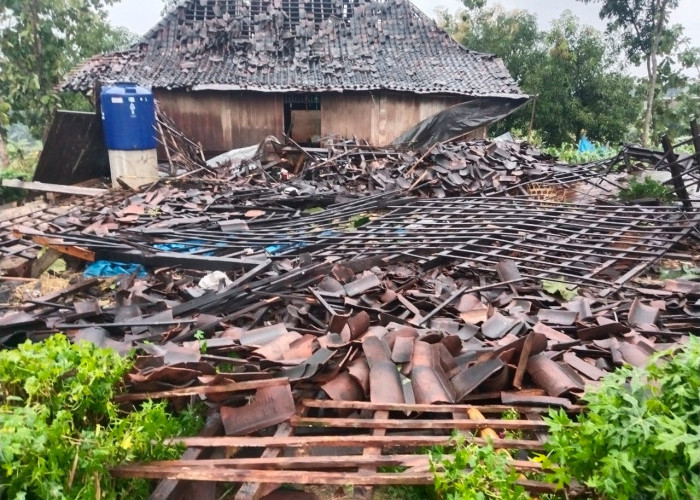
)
(189, 246)
(585, 146)
(273, 249)
(109, 269)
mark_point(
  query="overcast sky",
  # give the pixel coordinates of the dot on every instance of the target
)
(140, 15)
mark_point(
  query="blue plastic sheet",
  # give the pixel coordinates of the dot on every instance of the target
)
(585, 146)
(189, 246)
(108, 269)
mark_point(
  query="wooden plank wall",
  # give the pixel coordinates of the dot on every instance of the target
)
(379, 117)
(222, 121)
(225, 120)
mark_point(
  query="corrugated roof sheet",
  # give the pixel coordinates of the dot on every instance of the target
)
(297, 45)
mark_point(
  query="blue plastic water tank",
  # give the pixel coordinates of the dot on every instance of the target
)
(128, 117)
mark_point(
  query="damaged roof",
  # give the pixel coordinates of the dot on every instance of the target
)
(300, 46)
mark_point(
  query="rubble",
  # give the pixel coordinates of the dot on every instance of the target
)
(372, 309)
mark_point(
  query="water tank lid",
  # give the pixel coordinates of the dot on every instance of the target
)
(125, 88)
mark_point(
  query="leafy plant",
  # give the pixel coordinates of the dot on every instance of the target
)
(474, 472)
(567, 292)
(640, 438)
(569, 153)
(199, 336)
(61, 430)
(686, 272)
(648, 188)
(512, 414)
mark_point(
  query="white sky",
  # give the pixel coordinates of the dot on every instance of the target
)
(140, 15)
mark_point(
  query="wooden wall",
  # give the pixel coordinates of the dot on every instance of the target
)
(378, 117)
(222, 121)
(225, 120)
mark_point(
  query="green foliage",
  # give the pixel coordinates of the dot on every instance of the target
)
(640, 438)
(649, 188)
(200, 337)
(571, 68)
(569, 153)
(61, 430)
(23, 158)
(566, 292)
(474, 472)
(686, 272)
(40, 41)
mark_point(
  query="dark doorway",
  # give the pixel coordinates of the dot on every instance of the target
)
(302, 118)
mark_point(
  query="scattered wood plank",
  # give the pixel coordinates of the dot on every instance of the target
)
(168, 488)
(253, 491)
(436, 408)
(388, 423)
(360, 441)
(202, 390)
(320, 462)
(53, 188)
(295, 477)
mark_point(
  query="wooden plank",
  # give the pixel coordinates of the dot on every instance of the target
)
(268, 476)
(293, 477)
(253, 491)
(388, 423)
(320, 462)
(436, 408)
(202, 389)
(168, 488)
(42, 263)
(53, 188)
(59, 246)
(371, 452)
(360, 441)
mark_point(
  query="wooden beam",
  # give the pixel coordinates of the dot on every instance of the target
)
(417, 407)
(319, 462)
(202, 389)
(53, 188)
(360, 441)
(168, 488)
(388, 423)
(293, 477)
(42, 263)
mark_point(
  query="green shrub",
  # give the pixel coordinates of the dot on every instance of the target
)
(649, 188)
(60, 429)
(474, 472)
(640, 438)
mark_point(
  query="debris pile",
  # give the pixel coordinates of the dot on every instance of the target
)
(375, 309)
(449, 169)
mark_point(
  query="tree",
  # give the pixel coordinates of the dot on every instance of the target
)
(40, 40)
(579, 91)
(645, 35)
(571, 68)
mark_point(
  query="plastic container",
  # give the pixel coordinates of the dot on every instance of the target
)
(128, 117)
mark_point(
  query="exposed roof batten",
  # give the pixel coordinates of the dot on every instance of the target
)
(297, 45)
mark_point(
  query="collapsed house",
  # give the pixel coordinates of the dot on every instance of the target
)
(337, 321)
(231, 72)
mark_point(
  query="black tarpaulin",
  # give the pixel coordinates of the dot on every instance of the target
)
(458, 120)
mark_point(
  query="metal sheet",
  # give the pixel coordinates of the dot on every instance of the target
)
(74, 149)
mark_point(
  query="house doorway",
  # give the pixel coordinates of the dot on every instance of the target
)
(302, 118)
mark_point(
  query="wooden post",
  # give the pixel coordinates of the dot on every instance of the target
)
(695, 132)
(532, 119)
(676, 173)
